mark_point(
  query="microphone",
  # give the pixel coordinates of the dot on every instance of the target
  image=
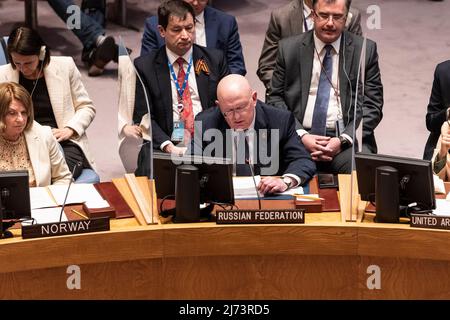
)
(249, 162)
(78, 164)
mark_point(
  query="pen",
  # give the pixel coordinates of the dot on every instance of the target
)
(79, 213)
(307, 197)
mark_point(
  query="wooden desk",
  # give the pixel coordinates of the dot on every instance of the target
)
(322, 259)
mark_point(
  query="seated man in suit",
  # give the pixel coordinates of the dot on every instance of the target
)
(253, 134)
(438, 107)
(180, 80)
(213, 28)
(293, 19)
(316, 77)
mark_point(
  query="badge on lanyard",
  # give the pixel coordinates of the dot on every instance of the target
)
(178, 131)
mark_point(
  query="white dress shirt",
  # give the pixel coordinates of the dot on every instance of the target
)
(192, 82)
(200, 34)
(308, 15)
(334, 105)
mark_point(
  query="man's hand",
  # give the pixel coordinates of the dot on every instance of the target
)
(132, 131)
(171, 148)
(327, 152)
(445, 140)
(271, 185)
(63, 134)
(314, 144)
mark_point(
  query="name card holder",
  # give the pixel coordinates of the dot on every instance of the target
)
(264, 216)
(65, 228)
(430, 221)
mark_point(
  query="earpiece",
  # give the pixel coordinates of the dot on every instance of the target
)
(42, 53)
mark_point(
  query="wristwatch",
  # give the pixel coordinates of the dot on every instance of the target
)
(344, 143)
(288, 182)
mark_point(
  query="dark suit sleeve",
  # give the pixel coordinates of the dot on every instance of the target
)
(355, 23)
(235, 58)
(149, 38)
(373, 100)
(277, 94)
(140, 106)
(436, 111)
(269, 52)
(297, 160)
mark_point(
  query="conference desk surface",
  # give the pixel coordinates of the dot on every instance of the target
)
(321, 259)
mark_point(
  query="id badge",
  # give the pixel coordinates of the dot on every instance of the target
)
(339, 127)
(178, 131)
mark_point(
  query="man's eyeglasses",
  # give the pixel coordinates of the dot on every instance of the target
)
(334, 17)
(240, 110)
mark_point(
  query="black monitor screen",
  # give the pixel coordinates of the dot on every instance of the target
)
(15, 194)
(215, 176)
(417, 184)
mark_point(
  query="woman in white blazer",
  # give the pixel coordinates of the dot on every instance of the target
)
(60, 99)
(24, 143)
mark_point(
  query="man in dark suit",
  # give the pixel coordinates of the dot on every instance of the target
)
(289, 20)
(180, 80)
(438, 107)
(214, 29)
(253, 134)
(316, 77)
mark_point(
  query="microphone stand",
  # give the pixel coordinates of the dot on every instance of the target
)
(68, 189)
(253, 175)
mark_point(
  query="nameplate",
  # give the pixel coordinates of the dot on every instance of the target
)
(430, 221)
(65, 228)
(260, 216)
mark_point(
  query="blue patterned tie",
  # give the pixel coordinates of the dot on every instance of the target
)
(319, 121)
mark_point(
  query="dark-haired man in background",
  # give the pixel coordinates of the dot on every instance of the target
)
(213, 28)
(180, 80)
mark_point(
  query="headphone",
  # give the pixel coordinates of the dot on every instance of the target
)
(42, 53)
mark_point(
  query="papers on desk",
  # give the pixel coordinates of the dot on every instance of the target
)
(53, 196)
(442, 207)
(45, 215)
(439, 186)
(244, 188)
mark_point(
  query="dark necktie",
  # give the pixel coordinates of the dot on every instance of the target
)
(242, 155)
(319, 121)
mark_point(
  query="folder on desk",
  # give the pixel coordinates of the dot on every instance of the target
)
(109, 191)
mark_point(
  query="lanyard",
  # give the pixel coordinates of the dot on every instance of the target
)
(174, 77)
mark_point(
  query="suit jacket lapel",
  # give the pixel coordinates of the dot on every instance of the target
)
(202, 79)
(347, 55)
(306, 56)
(261, 142)
(55, 88)
(32, 141)
(165, 87)
(211, 27)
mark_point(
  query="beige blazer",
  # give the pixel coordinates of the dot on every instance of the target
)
(70, 101)
(46, 157)
(128, 146)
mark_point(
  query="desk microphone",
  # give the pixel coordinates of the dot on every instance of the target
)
(78, 164)
(249, 162)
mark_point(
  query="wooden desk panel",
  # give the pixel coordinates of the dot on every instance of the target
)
(322, 259)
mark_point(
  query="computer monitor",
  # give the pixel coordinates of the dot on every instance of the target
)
(395, 182)
(193, 180)
(15, 198)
